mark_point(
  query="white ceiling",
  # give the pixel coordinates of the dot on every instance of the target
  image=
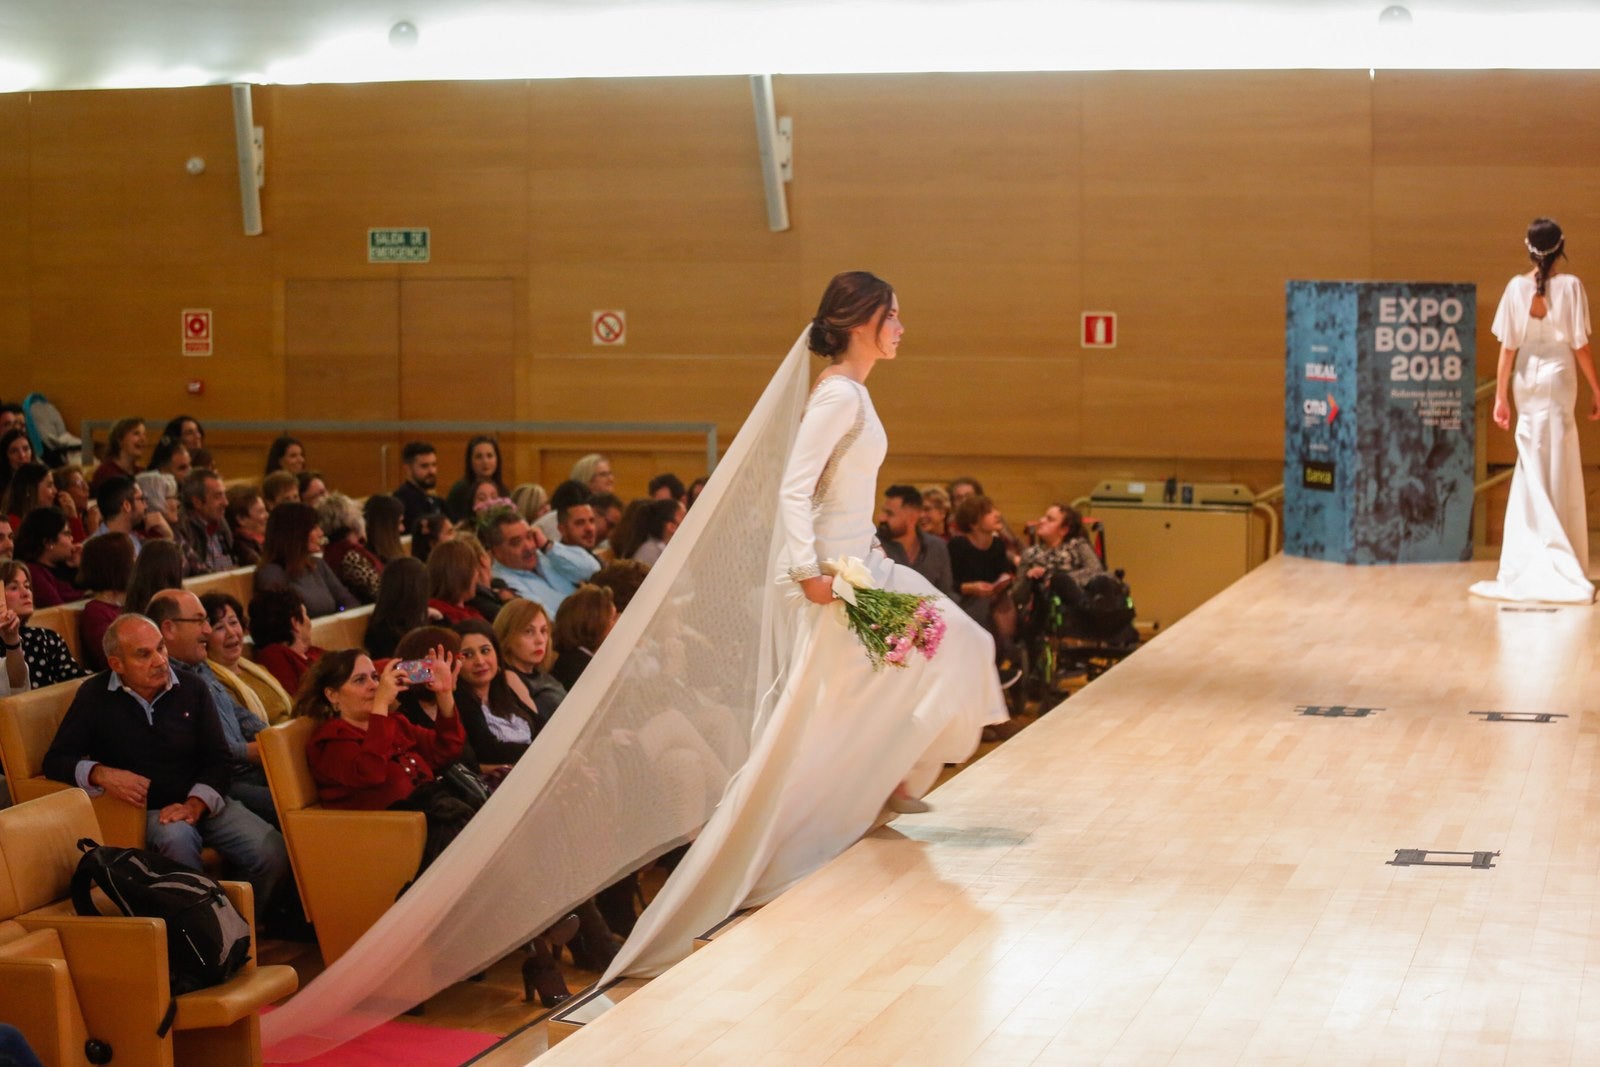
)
(69, 44)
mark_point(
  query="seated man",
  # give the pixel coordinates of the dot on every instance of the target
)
(185, 626)
(907, 544)
(416, 492)
(531, 566)
(566, 494)
(123, 510)
(152, 738)
(203, 530)
(578, 526)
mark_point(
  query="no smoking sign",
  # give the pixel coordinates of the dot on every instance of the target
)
(197, 332)
(608, 328)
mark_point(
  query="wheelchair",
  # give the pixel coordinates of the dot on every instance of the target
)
(1063, 642)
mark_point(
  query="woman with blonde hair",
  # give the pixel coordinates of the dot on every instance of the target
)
(532, 500)
(594, 470)
(523, 630)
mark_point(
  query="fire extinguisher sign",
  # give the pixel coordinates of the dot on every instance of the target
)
(1099, 329)
(197, 332)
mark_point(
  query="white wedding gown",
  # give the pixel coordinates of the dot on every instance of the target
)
(835, 737)
(1544, 554)
(716, 707)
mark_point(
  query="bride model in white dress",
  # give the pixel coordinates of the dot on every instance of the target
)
(1543, 327)
(838, 738)
(725, 708)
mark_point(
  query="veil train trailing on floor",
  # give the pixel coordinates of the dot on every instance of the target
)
(631, 766)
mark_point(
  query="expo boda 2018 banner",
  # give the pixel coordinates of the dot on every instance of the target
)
(1379, 421)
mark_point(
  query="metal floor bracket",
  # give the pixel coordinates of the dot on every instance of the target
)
(1334, 711)
(1420, 857)
(1518, 716)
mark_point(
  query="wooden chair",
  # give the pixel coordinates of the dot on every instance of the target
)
(348, 865)
(69, 978)
(28, 723)
(240, 581)
(63, 619)
(345, 629)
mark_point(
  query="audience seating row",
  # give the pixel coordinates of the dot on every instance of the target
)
(66, 979)
(28, 723)
(63, 618)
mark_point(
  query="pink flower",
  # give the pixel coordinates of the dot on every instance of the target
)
(899, 649)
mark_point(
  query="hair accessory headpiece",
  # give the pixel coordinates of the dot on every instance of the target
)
(1552, 250)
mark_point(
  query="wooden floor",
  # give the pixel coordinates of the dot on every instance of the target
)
(1175, 866)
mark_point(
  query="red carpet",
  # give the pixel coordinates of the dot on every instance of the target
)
(401, 1044)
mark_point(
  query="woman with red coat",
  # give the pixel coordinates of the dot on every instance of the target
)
(361, 756)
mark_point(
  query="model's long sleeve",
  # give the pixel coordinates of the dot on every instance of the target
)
(832, 415)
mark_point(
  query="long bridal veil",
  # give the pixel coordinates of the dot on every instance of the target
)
(631, 766)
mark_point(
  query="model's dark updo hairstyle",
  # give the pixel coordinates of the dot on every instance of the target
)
(1545, 245)
(851, 299)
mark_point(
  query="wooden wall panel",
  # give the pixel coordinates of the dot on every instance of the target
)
(1453, 118)
(457, 347)
(980, 236)
(1000, 205)
(123, 239)
(342, 361)
(648, 198)
(607, 385)
(1203, 194)
(449, 156)
(15, 222)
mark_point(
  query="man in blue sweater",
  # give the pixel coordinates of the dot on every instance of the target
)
(151, 737)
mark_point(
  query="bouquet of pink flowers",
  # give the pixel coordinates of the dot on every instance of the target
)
(890, 625)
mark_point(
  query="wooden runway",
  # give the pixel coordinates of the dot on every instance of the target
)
(1175, 866)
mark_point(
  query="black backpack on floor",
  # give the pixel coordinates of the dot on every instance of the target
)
(207, 939)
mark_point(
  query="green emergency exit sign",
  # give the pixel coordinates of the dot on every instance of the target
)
(399, 244)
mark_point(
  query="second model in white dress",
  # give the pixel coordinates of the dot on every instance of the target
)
(1545, 552)
(838, 737)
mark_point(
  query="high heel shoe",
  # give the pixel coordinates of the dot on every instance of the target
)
(595, 946)
(902, 803)
(541, 975)
(561, 931)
